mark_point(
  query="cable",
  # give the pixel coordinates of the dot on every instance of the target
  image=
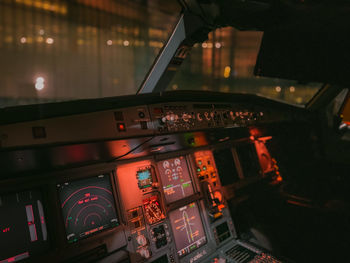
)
(133, 149)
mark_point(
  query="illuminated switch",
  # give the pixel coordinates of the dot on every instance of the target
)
(121, 127)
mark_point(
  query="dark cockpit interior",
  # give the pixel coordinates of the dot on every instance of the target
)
(190, 163)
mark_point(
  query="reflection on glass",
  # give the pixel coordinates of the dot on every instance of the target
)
(81, 49)
(225, 63)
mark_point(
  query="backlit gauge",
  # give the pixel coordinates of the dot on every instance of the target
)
(177, 162)
(153, 210)
(166, 165)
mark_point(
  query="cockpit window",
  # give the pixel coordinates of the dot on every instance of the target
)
(66, 50)
(225, 63)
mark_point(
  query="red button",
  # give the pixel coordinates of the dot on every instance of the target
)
(121, 127)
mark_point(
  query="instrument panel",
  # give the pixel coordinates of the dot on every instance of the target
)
(167, 207)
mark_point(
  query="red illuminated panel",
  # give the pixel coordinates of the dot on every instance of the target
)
(42, 220)
(265, 160)
(31, 224)
(153, 209)
(16, 258)
(205, 166)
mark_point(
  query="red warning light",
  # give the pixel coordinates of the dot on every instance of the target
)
(5, 230)
(121, 127)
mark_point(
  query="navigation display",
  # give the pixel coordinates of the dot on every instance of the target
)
(187, 228)
(175, 178)
(23, 230)
(87, 206)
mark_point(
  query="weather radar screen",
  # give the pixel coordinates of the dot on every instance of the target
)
(188, 229)
(87, 206)
(175, 177)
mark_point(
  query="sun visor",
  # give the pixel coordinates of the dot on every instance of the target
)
(313, 48)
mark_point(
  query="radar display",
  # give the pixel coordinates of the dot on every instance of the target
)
(87, 206)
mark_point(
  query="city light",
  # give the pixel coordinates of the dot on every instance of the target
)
(227, 72)
(109, 42)
(204, 45)
(126, 43)
(23, 40)
(218, 45)
(278, 89)
(39, 83)
(291, 89)
(49, 40)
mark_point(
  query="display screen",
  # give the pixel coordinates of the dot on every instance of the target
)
(226, 166)
(23, 231)
(222, 232)
(87, 206)
(249, 160)
(188, 229)
(144, 178)
(175, 178)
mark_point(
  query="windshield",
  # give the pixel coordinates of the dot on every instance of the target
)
(67, 50)
(62, 50)
(225, 63)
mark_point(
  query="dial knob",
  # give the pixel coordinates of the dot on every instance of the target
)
(141, 240)
(145, 253)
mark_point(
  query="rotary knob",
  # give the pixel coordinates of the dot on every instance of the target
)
(145, 253)
(141, 240)
(199, 116)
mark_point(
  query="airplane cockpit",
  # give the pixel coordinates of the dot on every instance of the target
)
(152, 141)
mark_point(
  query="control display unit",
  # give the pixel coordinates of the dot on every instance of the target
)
(88, 206)
(23, 231)
(176, 180)
(188, 229)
